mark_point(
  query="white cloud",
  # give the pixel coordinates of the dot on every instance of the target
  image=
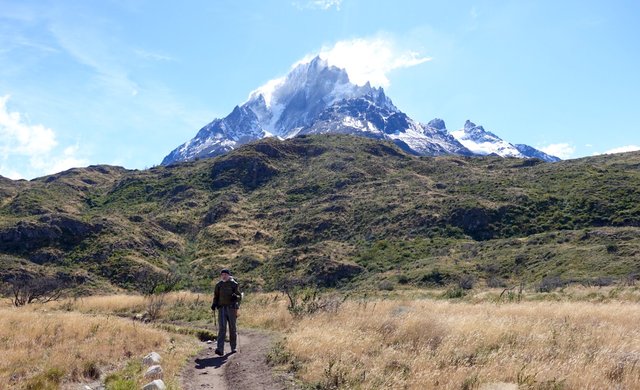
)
(49, 164)
(18, 137)
(32, 147)
(623, 149)
(10, 173)
(369, 59)
(318, 4)
(563, 150)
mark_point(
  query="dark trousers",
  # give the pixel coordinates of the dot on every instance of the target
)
(227, 314)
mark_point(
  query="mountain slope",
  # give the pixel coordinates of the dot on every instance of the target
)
(374, 115)
(331, 208)
(530, 152)
(482, 142)
(315, 98)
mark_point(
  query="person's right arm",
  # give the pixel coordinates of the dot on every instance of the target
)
(216, 297)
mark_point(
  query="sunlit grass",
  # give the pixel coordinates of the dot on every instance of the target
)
(577, 337)
(440, 344)
(41, 349)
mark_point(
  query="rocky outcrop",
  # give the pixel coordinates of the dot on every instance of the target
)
(246, 170)
(51, 230)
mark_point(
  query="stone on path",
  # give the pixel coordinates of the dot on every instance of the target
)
(151, 359)
(157, 384)
(154, 372)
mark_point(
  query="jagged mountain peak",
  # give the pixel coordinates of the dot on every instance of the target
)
(293, 101)
(478, 131)
(315, 75)
(468, 125)
(483, 142)
(437, 123)
(317, 98)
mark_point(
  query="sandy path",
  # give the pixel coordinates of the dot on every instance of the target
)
(246, 369)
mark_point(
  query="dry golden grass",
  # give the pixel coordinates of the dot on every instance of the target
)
(400, 339)
(437, 344)
(571, 293)
(122, 303)
(36, 344)
(268, 310)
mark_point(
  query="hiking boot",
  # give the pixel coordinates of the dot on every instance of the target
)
(218, 352)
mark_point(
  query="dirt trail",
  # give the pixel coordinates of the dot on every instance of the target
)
(246, 369)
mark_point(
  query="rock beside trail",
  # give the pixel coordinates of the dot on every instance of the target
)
(157, 384)
(154, 372)
(94, 387)
(151, 359)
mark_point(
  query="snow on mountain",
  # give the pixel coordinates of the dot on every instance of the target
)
(279, 108)
(316, 98)
(483, 142)
(296, 100)
(374, 115)
(531, 152)
(480, 141)
(436, 131)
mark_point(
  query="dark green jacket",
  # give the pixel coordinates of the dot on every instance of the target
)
(226, 293)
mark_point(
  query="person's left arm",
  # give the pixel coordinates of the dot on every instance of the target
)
(237, 294)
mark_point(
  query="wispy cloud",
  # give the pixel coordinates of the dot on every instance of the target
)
(90, 48)
(473, 13)
(370, 59)
(562, 150)
(623, 149)
(35, 144)
(152, 56)
(318, 4)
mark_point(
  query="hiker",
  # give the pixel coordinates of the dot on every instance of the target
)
(226, 299)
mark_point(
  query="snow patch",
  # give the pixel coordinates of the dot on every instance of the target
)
(494, 145)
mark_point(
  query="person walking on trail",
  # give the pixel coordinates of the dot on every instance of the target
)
(226, 299)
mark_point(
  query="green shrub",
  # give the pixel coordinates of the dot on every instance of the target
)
(116, 383)
(48, 380)
(124, 379)
(454, 293)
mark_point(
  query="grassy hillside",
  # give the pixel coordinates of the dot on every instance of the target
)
(337, 210)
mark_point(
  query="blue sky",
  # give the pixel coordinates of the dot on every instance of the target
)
(124, 82)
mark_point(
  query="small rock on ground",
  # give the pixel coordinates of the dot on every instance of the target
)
(151, 359)
(158, 384)
(154, 372)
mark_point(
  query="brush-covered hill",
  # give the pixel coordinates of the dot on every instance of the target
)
(333, 209)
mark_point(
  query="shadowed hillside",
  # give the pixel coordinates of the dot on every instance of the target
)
(332, 209)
